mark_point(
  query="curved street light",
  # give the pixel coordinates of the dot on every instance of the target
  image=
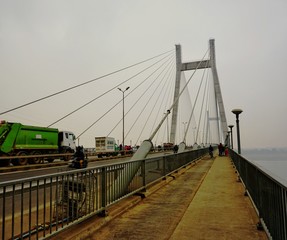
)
(231, 126)
(123, 91)
(237, 112)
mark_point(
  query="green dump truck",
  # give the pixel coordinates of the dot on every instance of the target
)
(21, 140)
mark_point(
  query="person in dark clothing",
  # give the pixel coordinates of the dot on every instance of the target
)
(79, 160)
(175, 148)
(220, 149)
(210, 151)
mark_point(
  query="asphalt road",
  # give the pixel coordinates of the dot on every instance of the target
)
(9, 176)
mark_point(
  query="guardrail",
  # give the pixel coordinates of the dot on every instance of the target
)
(40, 207)
(268, 195)
(66, 156)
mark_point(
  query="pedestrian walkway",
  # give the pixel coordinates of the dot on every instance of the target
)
(219, 209)
(204, 202)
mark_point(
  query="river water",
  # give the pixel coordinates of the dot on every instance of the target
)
(271, 160)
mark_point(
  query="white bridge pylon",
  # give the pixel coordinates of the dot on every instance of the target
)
(146, 145)
(220, 112)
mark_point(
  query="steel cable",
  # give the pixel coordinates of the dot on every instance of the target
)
(81, 84)
(106, 92)
(139, 97)
(120, 100)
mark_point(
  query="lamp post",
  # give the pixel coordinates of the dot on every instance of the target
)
(123, 91)
(231, 126)
(168, 139)
(237, 112)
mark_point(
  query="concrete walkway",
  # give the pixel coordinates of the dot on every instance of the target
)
(219, 209)
(204, 202)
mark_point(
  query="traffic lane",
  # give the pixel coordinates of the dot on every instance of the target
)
(95, 162)
(9, 176)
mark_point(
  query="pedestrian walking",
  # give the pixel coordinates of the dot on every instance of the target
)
(210, 151)
(220, 149)
(175, 148)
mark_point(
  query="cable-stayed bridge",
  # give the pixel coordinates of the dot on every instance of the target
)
(186, 95)
(161, 100)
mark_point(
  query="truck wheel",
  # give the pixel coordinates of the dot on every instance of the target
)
(36, 160)
(21, 161)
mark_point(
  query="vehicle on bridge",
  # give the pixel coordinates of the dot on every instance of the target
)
(17, 139)
(106, 146)
(167, 146)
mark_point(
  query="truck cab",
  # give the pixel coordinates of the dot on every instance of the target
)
(67, 141)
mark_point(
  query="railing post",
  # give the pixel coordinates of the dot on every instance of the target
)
(143, 172)
(104, 192)
(3, 216)
(284, 210)
(259, 203)
(164, 166)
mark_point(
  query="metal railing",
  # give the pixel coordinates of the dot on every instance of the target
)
(268, 195)
(40, 207)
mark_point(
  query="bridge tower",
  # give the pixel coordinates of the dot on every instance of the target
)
(146, 145)
(176, 93)
(209, 63)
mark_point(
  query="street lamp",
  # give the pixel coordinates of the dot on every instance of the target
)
(123, 91)
(237, 112)
(231, 126)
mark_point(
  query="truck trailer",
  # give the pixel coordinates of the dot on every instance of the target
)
(106, 146)
(17, 139)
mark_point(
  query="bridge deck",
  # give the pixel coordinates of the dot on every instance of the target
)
(206, 202)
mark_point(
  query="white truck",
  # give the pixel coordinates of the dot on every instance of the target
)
(106, 146)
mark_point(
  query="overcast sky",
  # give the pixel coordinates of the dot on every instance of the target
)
(49, 45)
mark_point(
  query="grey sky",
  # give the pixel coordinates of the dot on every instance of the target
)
(46, 46)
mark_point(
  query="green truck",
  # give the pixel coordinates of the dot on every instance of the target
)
(17, 139)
